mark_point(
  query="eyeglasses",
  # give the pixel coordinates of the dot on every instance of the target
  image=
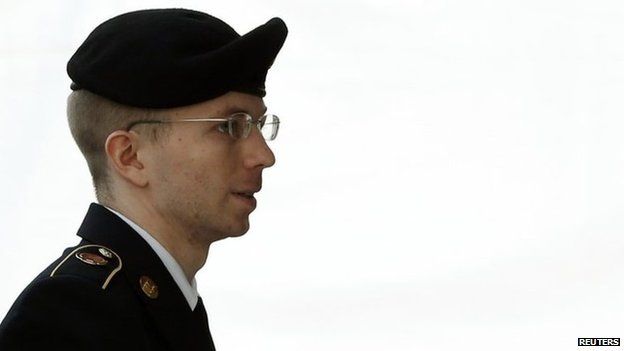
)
(237, 125)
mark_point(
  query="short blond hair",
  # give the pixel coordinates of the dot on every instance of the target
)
(91, 119)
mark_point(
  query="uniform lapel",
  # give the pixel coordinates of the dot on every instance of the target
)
(169, 309)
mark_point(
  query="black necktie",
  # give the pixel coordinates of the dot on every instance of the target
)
(201, 322)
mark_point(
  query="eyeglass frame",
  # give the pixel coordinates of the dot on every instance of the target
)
(248, 119)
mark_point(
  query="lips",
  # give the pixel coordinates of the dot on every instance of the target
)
(248, 200)
(249, 191)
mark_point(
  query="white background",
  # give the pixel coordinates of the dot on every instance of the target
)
(449, 173)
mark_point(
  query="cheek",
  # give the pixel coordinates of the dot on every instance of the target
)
(207, 173)
(197, 169)
(173, 170)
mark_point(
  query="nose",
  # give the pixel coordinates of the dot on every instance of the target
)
(256, 151)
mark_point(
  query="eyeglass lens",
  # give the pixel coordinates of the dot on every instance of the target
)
(268, 126)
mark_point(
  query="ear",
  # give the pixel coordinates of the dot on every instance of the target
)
(122, 150)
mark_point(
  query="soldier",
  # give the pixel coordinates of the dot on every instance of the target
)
(166, 106)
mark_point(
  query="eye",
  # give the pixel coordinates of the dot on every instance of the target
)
(223, 128)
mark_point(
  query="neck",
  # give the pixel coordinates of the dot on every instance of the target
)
(190, 254)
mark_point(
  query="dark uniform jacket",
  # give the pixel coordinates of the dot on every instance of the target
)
(110, 292)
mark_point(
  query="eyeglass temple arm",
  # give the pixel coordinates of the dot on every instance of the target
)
(188, 120)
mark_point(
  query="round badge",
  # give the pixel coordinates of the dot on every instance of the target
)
(92, 259)
(150, 289)
(105, 252)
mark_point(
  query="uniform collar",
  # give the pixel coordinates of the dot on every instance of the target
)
(102, 227)
(189, 290)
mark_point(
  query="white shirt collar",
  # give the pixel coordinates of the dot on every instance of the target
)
(189, 290)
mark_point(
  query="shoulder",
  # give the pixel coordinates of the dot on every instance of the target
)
(93, 263)
(72, 302)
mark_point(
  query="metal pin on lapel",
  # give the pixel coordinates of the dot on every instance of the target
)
(150, 289)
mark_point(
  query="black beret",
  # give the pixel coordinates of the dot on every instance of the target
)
(162, 58)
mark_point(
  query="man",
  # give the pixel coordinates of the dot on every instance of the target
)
(167, 109)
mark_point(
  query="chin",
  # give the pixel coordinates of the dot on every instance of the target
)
(235, 231)
(240, 233)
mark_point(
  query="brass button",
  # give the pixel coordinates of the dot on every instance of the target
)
(149, 287)
(92, 259)
(105, 252)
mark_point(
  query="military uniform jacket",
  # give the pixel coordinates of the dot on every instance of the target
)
(110, 292)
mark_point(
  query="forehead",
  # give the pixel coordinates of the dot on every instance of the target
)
(224, 105)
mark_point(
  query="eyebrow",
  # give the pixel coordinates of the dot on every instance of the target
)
(234, 109)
